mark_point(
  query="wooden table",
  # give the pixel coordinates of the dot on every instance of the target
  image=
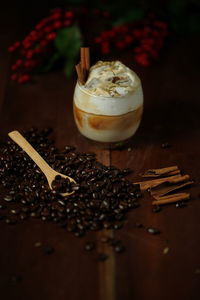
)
(172, 114)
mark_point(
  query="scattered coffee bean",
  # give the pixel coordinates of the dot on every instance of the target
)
(165, 145)
(119, 248)
(89, 246)
(2, 206)
(23, 216)
(11, 220)
(156, 209)
(152, 230)
(180, 204)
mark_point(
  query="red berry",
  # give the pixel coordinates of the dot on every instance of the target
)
(44, 43)
(11, 49)
(29, 64)
(111, 33)
(39, 26)
(13, 76)
(105, 34)
(137, 33)
(128, 39)
(51, 36)
(142, 59)
(67, 23)
(29, 54)
(138, 50)
(120, 45)
(19, 62)
(160, 25)
(56, 15)
(17, 44)
(26, 43)
(57, 24)
(47, 29)
(98, 40)
(105, 47)
(14, 67)
(24, 78)
(69, 14)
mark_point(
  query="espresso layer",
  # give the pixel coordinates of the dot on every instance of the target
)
(108, 128)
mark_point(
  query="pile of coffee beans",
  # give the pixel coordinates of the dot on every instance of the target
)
(101, 198)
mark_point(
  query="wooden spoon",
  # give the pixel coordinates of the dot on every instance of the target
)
(40, 162)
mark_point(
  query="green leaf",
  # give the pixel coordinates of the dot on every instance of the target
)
(68, 41)
(69, 67)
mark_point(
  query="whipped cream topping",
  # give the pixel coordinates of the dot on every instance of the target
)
(111, 79)
(112, 89)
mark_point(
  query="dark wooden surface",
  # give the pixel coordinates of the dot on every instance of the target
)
(172, 114)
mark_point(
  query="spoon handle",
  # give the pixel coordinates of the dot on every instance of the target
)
(32, 153)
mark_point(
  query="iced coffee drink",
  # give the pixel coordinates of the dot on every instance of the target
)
(108, 107)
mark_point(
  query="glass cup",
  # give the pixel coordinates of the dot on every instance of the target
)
(110, 121)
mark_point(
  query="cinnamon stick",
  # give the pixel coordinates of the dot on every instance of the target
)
(145, 185)
(85, 62)
(87, 58)
(79, 73)
(166, 188)
(161, 172)
(171, 199)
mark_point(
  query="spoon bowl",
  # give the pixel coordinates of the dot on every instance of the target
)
(49, 173)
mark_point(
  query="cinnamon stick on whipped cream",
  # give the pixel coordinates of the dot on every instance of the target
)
(83, 67)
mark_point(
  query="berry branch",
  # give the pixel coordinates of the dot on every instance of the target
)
(58, 36)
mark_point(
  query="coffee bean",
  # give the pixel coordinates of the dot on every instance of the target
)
(180, 204)
(2, 206)
(119, 248)
(152, 230)
(23, 216)
(89, 246)
(8, 198)
(15, 211)
(156, 208)
(165, 145)
(11, 220)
